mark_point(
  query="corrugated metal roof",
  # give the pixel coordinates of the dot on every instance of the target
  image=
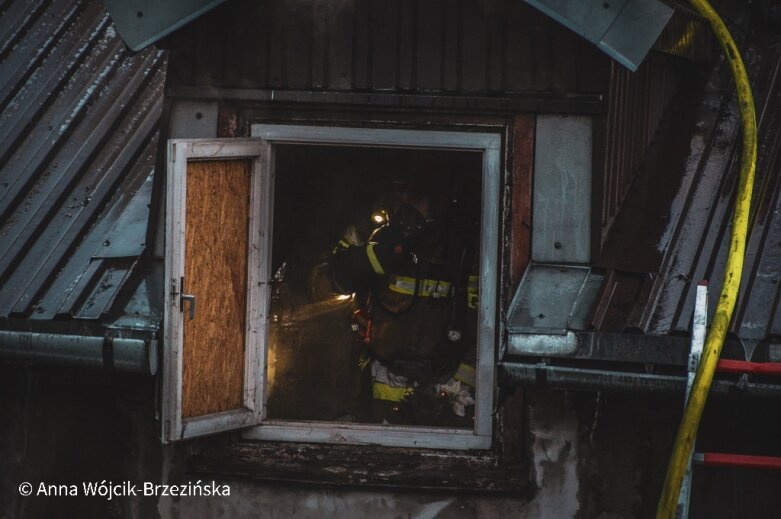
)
(79, 120)
(674, 230)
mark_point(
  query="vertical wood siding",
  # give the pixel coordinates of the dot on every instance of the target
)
(440, 46)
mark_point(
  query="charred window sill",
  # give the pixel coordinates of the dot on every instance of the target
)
(358, 465)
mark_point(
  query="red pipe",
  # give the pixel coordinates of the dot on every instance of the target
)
(742, 366)
(738, 460)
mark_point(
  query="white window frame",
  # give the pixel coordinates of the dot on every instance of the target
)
(480, 437)
(180, 153)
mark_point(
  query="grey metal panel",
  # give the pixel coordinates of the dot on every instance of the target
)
(105, 289)
(588, 294)
(624, 29)
(546, 299)
(143, 22)
(144, 307)
(193, 120)
(561, 231)
(635, 31)
(541, 344)
(127, 237)
(589, 18)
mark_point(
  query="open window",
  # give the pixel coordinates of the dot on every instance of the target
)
(268, 331)
(213, 297)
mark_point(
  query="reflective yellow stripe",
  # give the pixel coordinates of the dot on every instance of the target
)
(466, 374)
(382, 391)
(363, 361)
(472, 292)
(428, 287)
(434, 288)
(373, 259)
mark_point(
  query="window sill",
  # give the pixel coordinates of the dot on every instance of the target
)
(364, 466)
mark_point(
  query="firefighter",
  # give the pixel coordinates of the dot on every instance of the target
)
(415, 298)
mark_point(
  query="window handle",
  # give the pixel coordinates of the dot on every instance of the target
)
(191, 299)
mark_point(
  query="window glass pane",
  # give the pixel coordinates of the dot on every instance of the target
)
(375, 285)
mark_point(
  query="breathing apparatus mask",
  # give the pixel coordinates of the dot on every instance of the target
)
(410, 216)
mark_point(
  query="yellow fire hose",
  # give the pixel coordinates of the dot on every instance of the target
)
(687, 431)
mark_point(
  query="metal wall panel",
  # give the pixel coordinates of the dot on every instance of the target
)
(561, 231)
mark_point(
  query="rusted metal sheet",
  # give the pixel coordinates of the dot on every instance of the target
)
(636, 103)
(675, 229)
(78, 139)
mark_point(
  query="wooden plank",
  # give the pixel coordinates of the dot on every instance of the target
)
(362, 42)
(474, 48)
(450, 53)
(216, 242)
(384, 44)
(497, 44)
(209, 49)
(276, 48)
(562, 60)
(339, 21)
(521, 208)
(407, 44)
(319, 49)
(429, 51)
(246, 58)
(298, 37)
(409, 468)
(519, 47)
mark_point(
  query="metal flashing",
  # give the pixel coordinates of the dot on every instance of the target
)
(143, 22)
(546, 299)
(625, 30)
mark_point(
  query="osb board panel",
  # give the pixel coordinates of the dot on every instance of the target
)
(216, 241)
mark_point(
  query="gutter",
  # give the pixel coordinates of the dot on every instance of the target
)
(618, 362)
(121, 354)
(541, 375)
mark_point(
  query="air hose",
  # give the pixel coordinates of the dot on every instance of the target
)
(687, 430)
